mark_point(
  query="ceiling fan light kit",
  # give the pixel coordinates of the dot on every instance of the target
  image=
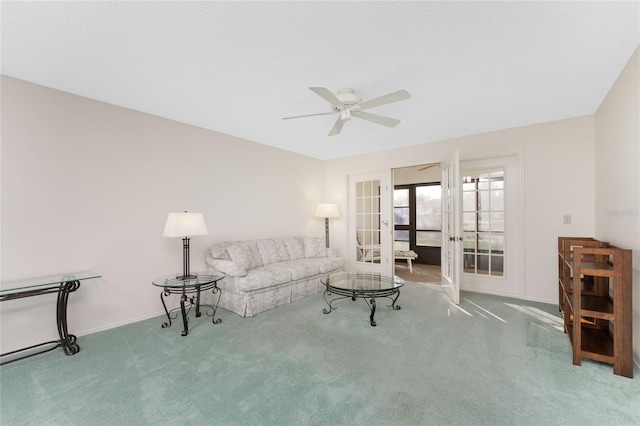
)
(348, 104)
(348, 97)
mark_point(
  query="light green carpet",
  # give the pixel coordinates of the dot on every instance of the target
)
(495, 361)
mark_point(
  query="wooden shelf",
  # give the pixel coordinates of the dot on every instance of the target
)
(596, 342)
(602, 272)
(596, 306)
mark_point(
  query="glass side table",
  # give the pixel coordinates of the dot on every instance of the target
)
(186, 288)
(62, 285)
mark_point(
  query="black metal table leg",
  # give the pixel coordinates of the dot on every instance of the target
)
(373, 311)
(67, 341)
(393, 303)
(198, 314)
(164, 305)
(185, 320)
(216, 290)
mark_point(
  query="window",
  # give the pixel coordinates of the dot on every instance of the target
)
(483, 221)
(428, 215)
(401, 219)
(418, 220)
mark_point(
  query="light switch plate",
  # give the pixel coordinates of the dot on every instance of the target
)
(567, 219)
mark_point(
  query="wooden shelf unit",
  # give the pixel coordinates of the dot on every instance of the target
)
(597, 317)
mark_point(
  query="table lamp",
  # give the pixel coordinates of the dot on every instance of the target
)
(185, 225)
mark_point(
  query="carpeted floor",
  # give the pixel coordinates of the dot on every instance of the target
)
(491, 361)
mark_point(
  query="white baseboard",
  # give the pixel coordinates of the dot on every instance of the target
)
(119, 324)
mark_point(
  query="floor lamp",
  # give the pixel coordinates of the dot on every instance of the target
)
(327, 211)
(185, 225)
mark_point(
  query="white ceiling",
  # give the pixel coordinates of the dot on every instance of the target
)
(238, 67)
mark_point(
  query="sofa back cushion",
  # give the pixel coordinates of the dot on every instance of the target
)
(227, 267)
(245, 253)
(272, 251)
(314, 247)
(219, 251)
(295, 247)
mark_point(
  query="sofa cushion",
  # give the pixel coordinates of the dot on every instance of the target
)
(259, 278)
(228, 267)
(219, 251)
(326, 264)
(314, 247)
(295, 247)
(241, 254)
(257, 260)
(272, 250)
(297, 270)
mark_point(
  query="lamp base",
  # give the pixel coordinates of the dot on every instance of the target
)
(326, 231)
(186, 277)
(186, 274)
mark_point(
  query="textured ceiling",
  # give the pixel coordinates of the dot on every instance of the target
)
(238, 67)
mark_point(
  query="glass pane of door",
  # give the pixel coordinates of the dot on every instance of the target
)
(483, 221)
(367, 217)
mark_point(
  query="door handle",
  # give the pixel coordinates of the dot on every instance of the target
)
(385, 223)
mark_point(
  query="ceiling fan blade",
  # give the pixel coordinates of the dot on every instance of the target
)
(337, 127)
(427, 167)
(375, 118)
(309, 115)
(400, 95)
(326, 94)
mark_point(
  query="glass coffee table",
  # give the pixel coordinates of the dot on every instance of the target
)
(364, 285)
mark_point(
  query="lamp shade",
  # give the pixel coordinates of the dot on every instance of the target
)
(184, 225)
(327, 210)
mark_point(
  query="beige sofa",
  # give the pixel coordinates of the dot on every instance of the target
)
(264, 274)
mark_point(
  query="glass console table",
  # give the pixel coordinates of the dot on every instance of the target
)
(62, 285)
(200, 282)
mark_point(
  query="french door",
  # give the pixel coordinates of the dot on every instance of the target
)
(370, 223)
(492, 227)
(451, 226)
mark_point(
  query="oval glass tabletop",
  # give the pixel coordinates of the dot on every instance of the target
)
(362, 281)
(199, 279)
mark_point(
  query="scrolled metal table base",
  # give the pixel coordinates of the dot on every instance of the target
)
(368, 296)
(192, 300)
(67, 341)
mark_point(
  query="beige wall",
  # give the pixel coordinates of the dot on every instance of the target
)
(557, 167)
(617, 174)
(87, 185)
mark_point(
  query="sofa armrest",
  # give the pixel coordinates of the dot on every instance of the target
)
(227, 267)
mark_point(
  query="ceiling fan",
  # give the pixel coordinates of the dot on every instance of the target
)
(427, 167)
(347, 104)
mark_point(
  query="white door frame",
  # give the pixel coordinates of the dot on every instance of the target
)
(451, 253)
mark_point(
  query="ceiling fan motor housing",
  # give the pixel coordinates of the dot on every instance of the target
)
(348, 97)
